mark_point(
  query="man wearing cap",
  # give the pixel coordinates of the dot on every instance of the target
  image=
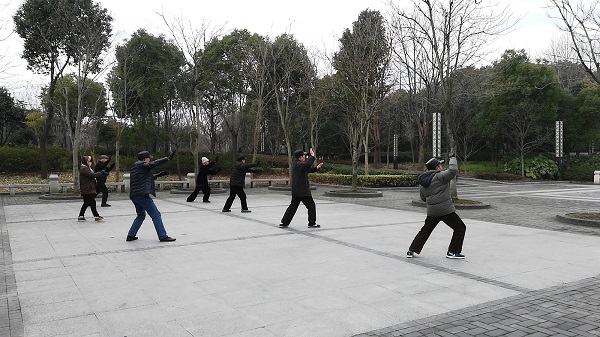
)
(237, 179)
(301, 167)
(434, 189)
(207, 168)
(102, 164)
(141, 187)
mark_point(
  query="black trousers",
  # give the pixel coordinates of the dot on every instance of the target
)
(205, 191)
(233, 191)
(89, 200)
(101, 188)
(453, 221)
(308, 202)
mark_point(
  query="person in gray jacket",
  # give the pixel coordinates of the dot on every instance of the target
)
(434, 189)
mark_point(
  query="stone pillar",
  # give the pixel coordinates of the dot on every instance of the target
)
(53, 182)
(596, 177)
(248, 180)
(126, 182)
(191, 180)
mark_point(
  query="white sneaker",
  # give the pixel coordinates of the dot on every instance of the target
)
(410, 254)
(455, 255)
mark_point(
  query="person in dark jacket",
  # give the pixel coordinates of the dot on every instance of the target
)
(301, 167)
(206, 168)
(141, 187)
(87, 187)
(236, 184)
(102, 164)
(435, 191)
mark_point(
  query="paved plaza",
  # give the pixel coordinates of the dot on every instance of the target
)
(238, 274)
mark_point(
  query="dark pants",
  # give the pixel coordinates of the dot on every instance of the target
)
(205, 190)
(89, 200)
(453, 221)
(101, 188)
(233, 191)
(293, 207)
(143, 204)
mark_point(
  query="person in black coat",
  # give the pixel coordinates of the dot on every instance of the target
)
(236, 184)
(301, 167)
(141, 186)
(207, 168)
(102, 164)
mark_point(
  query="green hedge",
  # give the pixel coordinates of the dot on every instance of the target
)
(27, 159)
(581, 168)
(403, 180)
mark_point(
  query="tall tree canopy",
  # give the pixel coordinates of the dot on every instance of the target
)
(54, 33)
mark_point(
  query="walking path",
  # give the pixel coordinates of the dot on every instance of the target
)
(234, 274)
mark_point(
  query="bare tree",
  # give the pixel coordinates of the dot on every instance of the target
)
(191, 40)
(416, 75)
(258, 55)
(290, 77)
(455, 34)
(521, 123)
(582, 24)
(94, 27)
(5, 33)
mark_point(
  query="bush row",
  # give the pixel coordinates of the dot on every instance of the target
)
(575, 168)
(403, 180)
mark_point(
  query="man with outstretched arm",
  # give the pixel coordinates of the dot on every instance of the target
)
(141, 187)
(301, 167)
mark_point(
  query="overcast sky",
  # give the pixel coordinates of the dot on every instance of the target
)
(315, 23)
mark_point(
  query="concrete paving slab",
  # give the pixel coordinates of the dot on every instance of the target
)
(238, 274)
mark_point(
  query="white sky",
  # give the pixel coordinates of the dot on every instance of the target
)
(315, 23)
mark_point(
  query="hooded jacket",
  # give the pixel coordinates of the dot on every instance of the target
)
(435, 189)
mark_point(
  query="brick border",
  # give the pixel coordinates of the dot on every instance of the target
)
(11, 320)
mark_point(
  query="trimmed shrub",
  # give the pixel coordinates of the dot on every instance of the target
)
(581, 168)
(536, 168)
(500, 176)
(25, 159)
(404, 180)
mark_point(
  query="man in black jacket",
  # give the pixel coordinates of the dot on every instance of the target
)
(301, 167)
(236, 184)
(141, 187)
(102, 164)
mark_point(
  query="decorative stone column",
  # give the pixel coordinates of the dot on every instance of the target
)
(126, 182)
(53, 183)
(191, 180)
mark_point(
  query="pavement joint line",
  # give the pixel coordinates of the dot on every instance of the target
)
(419, 263)
(162, 246)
